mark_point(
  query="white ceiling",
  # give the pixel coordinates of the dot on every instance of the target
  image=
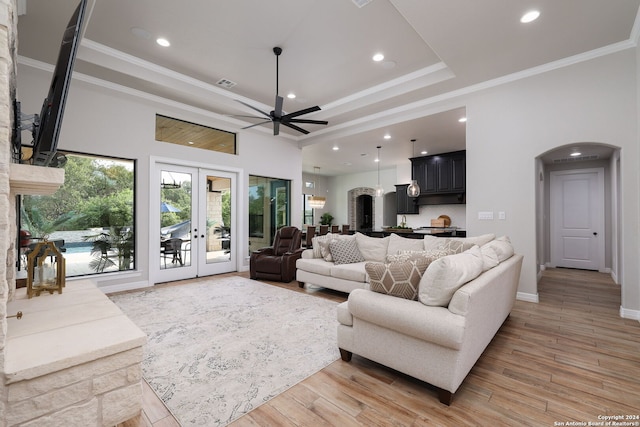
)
(432, 48)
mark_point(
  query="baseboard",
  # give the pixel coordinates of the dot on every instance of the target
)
(523, 296)
(109, 289)
(614, 277)
(626, 313)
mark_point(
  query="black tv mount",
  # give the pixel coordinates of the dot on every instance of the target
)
(22, 122)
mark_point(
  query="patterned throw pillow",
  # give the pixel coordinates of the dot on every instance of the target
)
(454, 246)
(398, 279)
(345, 251)
(316, 241)
(411, 255)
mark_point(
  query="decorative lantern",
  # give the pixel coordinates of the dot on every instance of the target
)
(45, 269)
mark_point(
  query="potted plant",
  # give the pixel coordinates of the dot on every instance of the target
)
(326, 219)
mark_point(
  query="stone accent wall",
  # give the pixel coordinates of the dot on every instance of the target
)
(7, 206)
(353, 195)
(103, 392)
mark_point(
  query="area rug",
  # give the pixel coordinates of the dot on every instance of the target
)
(218, 349)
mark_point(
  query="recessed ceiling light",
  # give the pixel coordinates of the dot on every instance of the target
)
(190, 142)
(530, 16)
(291, 95)
(462, 119)
(387, 136)
(163, 42)
(575, 154)
(378, 57)
(423, 152)
(336, 148)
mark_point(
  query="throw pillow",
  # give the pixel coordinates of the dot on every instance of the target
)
(399, 243)
(372, 248)
(483, 239)
(399, 279)
(489, 258)
(502, 247)
(454, 246)
(446, 275)
(411, 255)
(315, 242)
(345, 251)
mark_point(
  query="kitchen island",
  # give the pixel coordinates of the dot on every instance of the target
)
(414, 233)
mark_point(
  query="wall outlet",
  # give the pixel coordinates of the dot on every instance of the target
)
(485, 215)
(502, 215)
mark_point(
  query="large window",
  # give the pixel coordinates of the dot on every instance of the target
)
(90, 218)
(268, 209)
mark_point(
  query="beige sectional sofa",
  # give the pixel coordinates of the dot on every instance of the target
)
(462, 301)
(316, 269)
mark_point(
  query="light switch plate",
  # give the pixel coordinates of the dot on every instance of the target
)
(485, 215)
(502, 215)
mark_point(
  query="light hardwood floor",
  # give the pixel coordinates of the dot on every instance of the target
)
(568, 358)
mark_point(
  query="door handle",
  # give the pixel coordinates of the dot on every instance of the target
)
(595, 233)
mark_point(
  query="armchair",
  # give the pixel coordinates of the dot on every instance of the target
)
(278, 262)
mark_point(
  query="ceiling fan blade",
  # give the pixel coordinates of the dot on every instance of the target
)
(277, 112)
(254, 108)
(301, 112)
(243, 116)
(299, 129)
(257, 124)
(315, 122)
(276, 127)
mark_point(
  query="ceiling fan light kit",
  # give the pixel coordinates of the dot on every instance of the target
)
(276, 117)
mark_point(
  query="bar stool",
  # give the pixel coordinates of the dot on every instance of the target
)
(311, 232)
(324, 229)
(335, 229)
(345, 228)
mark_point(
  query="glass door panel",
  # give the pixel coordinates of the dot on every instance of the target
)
(218, 210)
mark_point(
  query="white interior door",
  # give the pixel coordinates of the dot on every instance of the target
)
(192, 233)
(577, 218)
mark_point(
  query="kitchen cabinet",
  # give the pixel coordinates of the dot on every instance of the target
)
(440, 174)
(405, 205)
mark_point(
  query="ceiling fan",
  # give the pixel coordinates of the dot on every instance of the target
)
(276, 115)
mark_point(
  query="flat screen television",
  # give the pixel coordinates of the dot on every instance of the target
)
(47, 131)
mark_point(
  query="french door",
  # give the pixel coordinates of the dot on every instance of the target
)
(195, 223)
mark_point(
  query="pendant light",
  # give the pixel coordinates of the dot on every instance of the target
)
(316, 202)
(379, 189)
(413, 190)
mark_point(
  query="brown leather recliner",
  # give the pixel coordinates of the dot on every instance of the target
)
(278, 262)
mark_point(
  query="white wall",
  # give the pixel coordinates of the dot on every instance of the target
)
(509, 125)
(112, 123)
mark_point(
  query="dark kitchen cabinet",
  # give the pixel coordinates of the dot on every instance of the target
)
(405, 204)
(440, 174)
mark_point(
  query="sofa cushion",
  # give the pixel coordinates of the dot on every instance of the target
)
(446, 275)
(354, 272)
(314, 265)
(316, 241)
(431, 242)
(345, 251)
(372, 248)
(454, 246)
(411, 255)
(398, 279)
(480, 240)
(489, 258)
(399, 243)
(502, 247)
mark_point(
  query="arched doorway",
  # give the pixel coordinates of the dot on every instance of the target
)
(577, 161)
(362, 208)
